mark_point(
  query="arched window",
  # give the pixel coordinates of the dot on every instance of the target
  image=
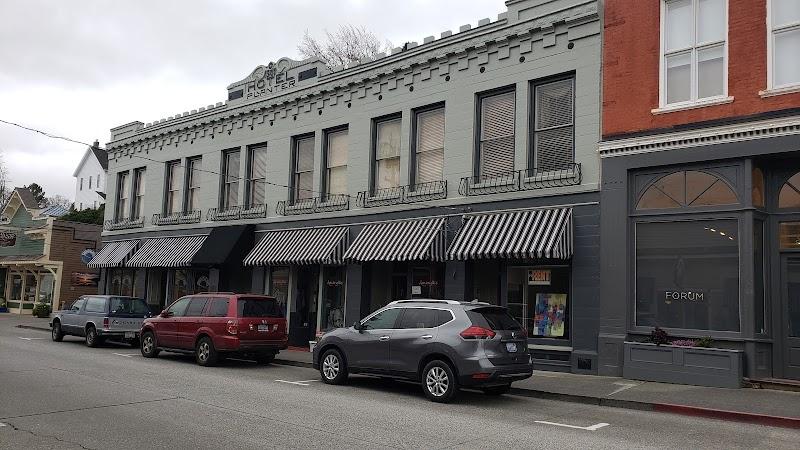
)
(758, 187)
(789, 196)
(689, 188)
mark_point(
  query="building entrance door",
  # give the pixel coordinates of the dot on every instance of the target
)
(304, 311)
(790, 321)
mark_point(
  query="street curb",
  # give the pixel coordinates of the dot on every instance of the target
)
(31, 327)
(695, 411)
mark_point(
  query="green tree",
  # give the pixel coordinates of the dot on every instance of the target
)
(93, 216)
(38, 194)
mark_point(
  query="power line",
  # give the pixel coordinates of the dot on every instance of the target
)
(68, 139)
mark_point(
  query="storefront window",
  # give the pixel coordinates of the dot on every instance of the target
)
(279, 286)
(687, 275)
(427, 281)
(123, 282)
(789, 197)
(537, 298)
(333, 291)
(690, 188)
(187, 282)
(46, 288)
(30, 287)
(789, 235)
(16, 287)
(485, 281)
(388, 282)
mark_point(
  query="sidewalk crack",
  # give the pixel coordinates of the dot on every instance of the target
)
(48, 436)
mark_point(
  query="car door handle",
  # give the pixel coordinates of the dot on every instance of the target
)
(383, 338)
(427, 336)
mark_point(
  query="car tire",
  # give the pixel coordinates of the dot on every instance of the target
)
(148, 345)
(497, 390)
(92, 339)
(439, 382)
(204, 352)
(332, 367)
(265, 358)
(56, 333)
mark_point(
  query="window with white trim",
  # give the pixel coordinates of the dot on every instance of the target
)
(257, 176)
(193, 166)
(336, 145)
(387, 153)
(172, 198)
(496, 138)
(784, 43)
(303, 177)
(429, 146)
(138, 192)
(693, 50)
(123, 194)
(230, 180)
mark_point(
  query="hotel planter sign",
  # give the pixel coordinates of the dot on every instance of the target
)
(275, 78)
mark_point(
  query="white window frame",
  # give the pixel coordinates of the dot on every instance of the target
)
(772, 89)
(693, 102)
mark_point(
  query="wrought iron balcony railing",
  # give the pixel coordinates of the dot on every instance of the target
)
(236, 213)
(123, 224)
(177, 218)
(520, 180)
(336, 202)
(432, 190)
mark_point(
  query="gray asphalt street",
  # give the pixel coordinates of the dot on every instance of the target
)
(65, 395)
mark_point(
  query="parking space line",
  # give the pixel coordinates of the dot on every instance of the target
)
(298, 383)
(29, 338)
(127, 355)
(594, 427)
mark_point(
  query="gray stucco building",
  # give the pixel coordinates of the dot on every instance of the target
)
(464, 166)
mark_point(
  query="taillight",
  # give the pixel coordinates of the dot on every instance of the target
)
(476, 332)
(105, 323)
(233, 327)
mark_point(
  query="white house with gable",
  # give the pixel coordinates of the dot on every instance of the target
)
(90, 178)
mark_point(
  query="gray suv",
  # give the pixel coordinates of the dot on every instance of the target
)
(100, 317)
(442, 344)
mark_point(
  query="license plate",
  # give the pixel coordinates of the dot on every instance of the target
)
(511, 347)
(130, 335)
(263, 328)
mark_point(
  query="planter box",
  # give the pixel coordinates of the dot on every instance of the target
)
(713, 367)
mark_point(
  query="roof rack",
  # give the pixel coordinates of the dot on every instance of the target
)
(425, 300)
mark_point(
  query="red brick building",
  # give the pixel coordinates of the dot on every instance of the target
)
(701, 178)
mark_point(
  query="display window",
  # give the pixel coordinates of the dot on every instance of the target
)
(427, 281)
(333, 295)
(538, 298)
(279, 286)
(123, 282)
(187, 282)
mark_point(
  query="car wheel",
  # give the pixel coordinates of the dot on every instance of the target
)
(56, 333)
(497, 390)
(92, 339)
(205, 354)
(265, 358)
(148, 347)
(332, 367)
(439, 382)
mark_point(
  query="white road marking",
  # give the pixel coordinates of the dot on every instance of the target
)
(298, 383)
(3, 425)
(29, 339)
(594, 427)
(623, 387)
(127, 355)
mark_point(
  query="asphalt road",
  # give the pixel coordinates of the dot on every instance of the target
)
(65, 395)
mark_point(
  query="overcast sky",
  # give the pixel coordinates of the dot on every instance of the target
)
(78, 68)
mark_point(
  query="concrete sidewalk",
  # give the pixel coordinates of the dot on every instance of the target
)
(768, 407)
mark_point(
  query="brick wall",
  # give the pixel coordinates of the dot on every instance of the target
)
(68, 241)
(631, 65)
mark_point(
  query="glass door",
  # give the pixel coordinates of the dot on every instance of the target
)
(791, 317)
(304, 309)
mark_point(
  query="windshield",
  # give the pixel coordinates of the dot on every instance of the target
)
(128, 305)
(258, 307)
(495, 317)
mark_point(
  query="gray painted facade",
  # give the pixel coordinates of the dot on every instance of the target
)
(731, 152)
(533, 41)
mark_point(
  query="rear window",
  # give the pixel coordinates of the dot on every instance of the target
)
(258, 307)
(126, 305)
(493, 318)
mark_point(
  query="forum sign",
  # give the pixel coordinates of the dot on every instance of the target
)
(276, 78)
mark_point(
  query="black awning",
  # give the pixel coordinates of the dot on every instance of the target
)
(225, 245)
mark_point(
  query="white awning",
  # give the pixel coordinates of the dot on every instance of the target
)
(400, 240)
(173, 251)
(114, 254)
(323, 245)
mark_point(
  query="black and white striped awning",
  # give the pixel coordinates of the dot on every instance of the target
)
(324, 245)
(114, 254)
(400, 240)
(173, 251)
(540, 233)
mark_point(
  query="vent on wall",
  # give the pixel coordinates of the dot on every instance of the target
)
(306, 74)
(235, 94)
(584, 364)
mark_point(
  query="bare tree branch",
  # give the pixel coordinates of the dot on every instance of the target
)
(344, 47)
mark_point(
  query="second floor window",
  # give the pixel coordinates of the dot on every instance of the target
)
(81, 185)
(230, 182)
(387, 153)
(553, 125)
(138, 192)
(193, 170)
(123, 194)
(90, 181)
(496, 139)
(172, 202)
(98, 181)
(785, 43)
(303, 176)
(694, 35)
(429, 146)
(257, 176)
(336, 143)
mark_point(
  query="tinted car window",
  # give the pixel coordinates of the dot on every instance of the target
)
(218, 308)
(418, 318)
(96, 305)
(442, 317)
(382, 321)
(77, 305)
(494, 318)
(196, 306)
(126, 305)
(178, 309)
(258, 307)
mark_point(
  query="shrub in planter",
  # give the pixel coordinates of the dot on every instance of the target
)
(705, 342)
(659, 337)
(41, 310)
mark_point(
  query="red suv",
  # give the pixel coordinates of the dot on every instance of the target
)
(211, 325)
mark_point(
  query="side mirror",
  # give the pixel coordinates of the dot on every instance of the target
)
(165, 313)
(357, 326)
